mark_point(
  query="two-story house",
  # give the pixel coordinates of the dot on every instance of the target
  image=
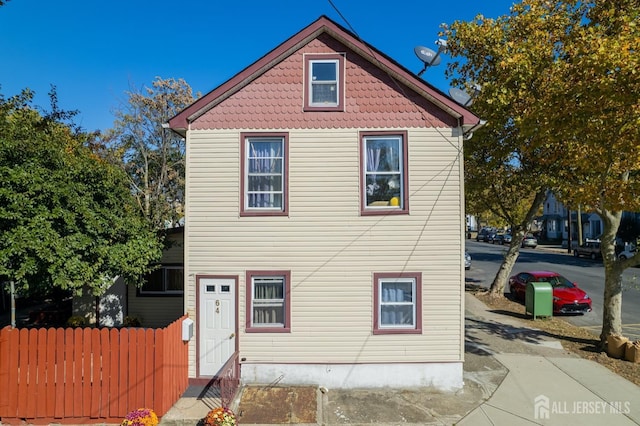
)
(555, 223)
(324, 231)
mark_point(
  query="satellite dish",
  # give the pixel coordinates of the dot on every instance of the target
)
(460, 96)
(428, 56)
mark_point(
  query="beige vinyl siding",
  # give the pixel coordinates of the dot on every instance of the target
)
(332, 251)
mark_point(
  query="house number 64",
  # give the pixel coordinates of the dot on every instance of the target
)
(217, 306)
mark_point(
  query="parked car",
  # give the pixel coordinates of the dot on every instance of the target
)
(567, 297)
(502, 239)
(626, 253)
(590, 249)
(482, 234)
(490, 237)
(529, 241)
(467, 260)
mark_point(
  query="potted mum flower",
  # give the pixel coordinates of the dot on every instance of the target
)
(141, 417)
(221, 416)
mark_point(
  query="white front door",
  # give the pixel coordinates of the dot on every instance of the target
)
(217, 316)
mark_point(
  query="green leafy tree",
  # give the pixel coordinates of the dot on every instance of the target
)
(509, 57)
(566, 75)
(153, 156)
(592, 106)
(67, 217)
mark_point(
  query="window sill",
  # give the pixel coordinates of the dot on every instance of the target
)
(383, 211)
(397, 331)
(325, 108)
(268, 330)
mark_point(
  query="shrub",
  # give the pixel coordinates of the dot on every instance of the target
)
(76, 321)
(221, 416)
(131, 322)
(141, 417)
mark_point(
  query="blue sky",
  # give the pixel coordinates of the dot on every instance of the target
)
(95, 51)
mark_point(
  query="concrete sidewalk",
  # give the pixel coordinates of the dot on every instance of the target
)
(514, 374)
(545, 384)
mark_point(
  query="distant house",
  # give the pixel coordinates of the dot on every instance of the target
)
(555, 223)
(160, 300)
(325, 225)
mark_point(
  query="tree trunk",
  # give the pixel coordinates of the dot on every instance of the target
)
(501, 278)
(612, 305)
(517, 233)
(613, 269)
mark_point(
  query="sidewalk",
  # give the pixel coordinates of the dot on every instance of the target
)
(514, 375)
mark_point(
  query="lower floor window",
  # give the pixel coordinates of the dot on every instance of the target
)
(268, 301)
(397, 303)
(166, 280)
(397, 306)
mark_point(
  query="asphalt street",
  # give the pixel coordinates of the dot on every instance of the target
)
(588, 274)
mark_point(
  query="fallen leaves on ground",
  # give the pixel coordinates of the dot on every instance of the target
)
(573, 338)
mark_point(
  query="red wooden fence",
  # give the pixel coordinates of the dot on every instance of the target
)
(88, 375)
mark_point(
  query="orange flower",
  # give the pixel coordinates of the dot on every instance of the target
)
(221, 416)
(141, 417)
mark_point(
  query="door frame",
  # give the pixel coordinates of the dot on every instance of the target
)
(235, 279)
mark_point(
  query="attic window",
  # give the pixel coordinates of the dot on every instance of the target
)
(324, 82)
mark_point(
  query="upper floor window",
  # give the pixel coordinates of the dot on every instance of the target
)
(324, 82)
(398, 303)
(384, 173)
(166, 280)
(264, 174)
(268, 301)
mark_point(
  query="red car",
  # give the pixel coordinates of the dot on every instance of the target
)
(567, 297)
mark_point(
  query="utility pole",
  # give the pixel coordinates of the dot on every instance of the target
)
(568, 230)
(579, 226)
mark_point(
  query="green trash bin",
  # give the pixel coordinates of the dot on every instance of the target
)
(538, 299)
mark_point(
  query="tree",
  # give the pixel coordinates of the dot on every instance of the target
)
(510, 57)
(598, 82)
(152, 155)
(67, 217)
(576, 110)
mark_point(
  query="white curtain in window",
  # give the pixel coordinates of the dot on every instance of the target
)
(268, 301)
(397, 304)
(264, 177)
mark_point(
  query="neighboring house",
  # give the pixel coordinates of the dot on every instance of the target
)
(160, 301)
(325, 220)
(555, 223)
(472, 223)
(156, 304)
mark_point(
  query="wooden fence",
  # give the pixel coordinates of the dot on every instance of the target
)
(88, 375)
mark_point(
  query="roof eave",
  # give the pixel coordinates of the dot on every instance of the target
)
(180, 122)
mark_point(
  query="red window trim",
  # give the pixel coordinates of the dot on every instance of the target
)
(285, 196)
(341, 83)
(364, 210)
(249, 328)
(376, 302)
